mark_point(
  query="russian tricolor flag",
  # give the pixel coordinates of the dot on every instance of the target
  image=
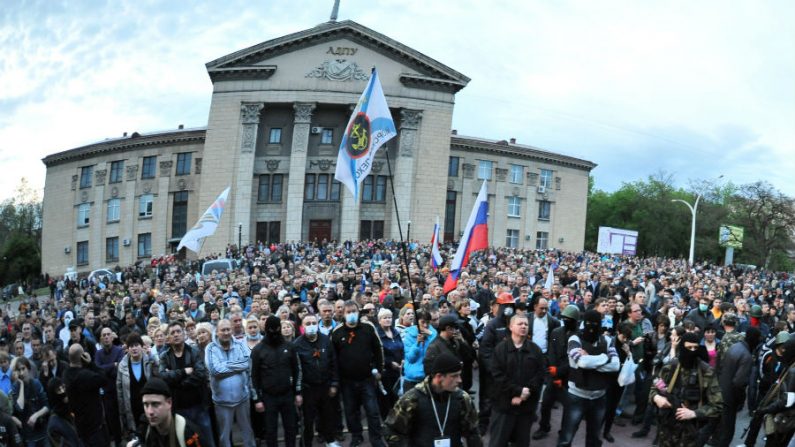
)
(436, 256)
(475, 237)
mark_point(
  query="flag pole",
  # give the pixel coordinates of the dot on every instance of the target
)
(400, 231)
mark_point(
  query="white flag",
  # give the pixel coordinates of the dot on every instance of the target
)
(206, 225)
(370, 126)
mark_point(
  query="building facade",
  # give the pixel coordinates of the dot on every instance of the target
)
(276, 119)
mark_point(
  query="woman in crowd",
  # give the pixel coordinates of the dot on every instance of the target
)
(29, 400)
(133, 371)
(711, 342)
(159, 338)
(253, 335)
(393, 360)
(468, 334)
(415, 342)
(288, 330)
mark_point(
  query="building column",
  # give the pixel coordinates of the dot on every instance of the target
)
(96, 244)
(161, 224)
(403, 177)
(295, 179)
(349, 216)
(249, 114)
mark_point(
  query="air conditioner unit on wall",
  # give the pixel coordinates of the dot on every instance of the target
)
(542, 189)
(126, 242)
(317, 130)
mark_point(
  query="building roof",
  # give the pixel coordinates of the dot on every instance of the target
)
(246, 63)
(135, 141)
(504, 147)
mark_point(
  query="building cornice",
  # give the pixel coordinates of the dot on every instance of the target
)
(471, 144)
(132, 142)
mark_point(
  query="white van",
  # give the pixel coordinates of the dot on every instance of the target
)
(219, 265)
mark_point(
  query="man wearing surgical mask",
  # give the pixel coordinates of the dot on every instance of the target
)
(320, 381)
(361, 360)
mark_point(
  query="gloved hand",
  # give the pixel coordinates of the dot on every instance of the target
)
(553, 371)
(558, 383)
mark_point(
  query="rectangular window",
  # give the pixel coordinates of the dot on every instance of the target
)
(546, 178)
(82, 253)
(183, 163)
(322, 187)
(116, 171)
(374, 188)
(514, 206)
(544, 209)
(114, 210)
(83, 214)
(112, 249)
(335, 191)
(275, 135)
(380, 188)
(309, 187)
(145, 205)
(484, 169)
(276, 188)
(371, 229)
(179, 214)
(268, 232)
(327, 136)
(452, 167)
(149, 167)
(449, 216)
(542, 240)
(264, 190)
(367, 189)
(512, 239)
(517, 172)
(270, 188)
(86, 175)
(144, 245)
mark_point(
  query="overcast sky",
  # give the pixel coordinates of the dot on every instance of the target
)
(697, 89)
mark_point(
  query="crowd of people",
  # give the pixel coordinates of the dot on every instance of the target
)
(298, 340)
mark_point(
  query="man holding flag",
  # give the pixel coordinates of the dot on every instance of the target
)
(370, 126)
(475, 237)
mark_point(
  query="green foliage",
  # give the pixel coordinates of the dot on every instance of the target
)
(20, 236)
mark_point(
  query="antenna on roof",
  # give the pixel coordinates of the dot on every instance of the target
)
(334, 11)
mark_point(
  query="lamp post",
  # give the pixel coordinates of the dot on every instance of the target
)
(693, 210)
(240, 237)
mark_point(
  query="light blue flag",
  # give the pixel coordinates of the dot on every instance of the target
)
(370, 127)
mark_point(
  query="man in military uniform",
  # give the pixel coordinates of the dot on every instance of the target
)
(435, 410)
(688, 395)
(772, 367)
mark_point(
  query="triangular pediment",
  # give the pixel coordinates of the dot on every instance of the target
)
(336, 41)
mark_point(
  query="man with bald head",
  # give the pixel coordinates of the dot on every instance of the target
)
(83, 380)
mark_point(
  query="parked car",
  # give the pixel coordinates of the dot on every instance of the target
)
(219, 265)
(10, 291)
(103, 275)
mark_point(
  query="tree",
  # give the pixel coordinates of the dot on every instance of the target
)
(20, 235)
(768, 217)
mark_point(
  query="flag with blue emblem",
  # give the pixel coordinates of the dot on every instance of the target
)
(370, 127)
(194, 239)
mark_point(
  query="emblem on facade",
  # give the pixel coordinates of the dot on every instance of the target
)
(165, 168)
(114, 192)
(132, 172)
(410, 118)
(182, 184)
(378, 166)
(147, 187)
(273, 165)
(324, 165)
(100, 175)
(84, 196)
(339, 70)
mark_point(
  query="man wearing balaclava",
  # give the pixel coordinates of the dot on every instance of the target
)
(687, 393)
(733, 375)
(591, 357)
(276, 376)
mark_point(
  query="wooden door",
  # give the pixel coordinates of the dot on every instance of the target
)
(319, 230)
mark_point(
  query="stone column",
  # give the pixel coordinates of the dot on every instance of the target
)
(349, 216)
(403, 175)
(295, 179)
(96, 245)
(249, 117)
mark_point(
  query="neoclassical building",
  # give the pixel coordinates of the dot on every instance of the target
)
(276, 119)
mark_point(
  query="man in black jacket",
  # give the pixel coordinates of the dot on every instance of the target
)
(518, 367)
(360, 357)
(320, 381)
(449, 340)
(276, 375)
(83, 380)
(496, 330)
(184, 371)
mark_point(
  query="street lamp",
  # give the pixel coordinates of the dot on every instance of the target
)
(239, 236)
(693, 209)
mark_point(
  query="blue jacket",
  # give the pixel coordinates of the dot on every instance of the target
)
(230, 380)
(415, 353)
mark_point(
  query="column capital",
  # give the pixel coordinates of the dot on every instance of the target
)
(303, 112)
(250, 112)
(410, 118)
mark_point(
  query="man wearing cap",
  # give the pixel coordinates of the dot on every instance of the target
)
(756, 321)
(519, 370)
(435, 411)
(557, 388)
(731, 335)
(772, 367)
(166, 429)
(687, 394)
(449, 340)
(496, 330)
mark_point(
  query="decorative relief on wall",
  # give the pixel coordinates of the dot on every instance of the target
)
(198, 166)
(165, 168)
(249, 137)
(132, 172)
(147, 187)
(100, 176)
(450, 185)
(515, 191)
(501, 174)
(377, 166)
(250, 113)
(410, 119)
(84, 196)
(407, 141)
(74, 182)
(557, 183)
(303, 112)
(300, 138)
(339, 70)
(469, 170)
(532, 178)
(272, 165)
(323, 165)
(114, 192)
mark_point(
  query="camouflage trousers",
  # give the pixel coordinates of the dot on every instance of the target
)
(679, 434)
